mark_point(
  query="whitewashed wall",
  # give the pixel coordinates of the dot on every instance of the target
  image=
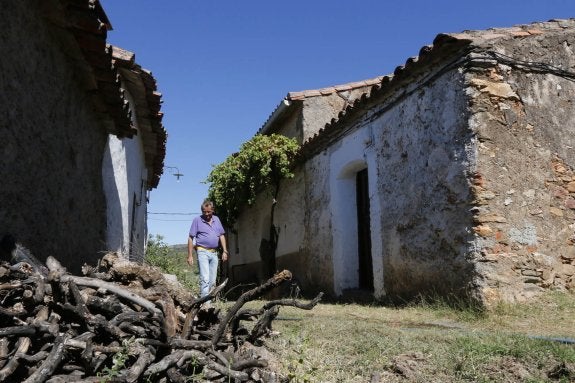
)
(418, 157)
(124, 176)
(254, 224)
(354, 153)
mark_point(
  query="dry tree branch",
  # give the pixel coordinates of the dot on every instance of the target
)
(246, 297)
(12, 365)
(50, 364)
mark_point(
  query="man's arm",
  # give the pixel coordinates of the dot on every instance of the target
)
(225, 247)
(190, 250)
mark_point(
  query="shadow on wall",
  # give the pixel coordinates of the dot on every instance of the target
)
(114, 222)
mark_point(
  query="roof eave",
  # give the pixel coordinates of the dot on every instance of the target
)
(279, 112)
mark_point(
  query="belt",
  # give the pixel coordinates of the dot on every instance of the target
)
(214, 250)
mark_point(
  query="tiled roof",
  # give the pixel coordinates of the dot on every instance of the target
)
(444, 45)
(81, 27)
(142, 86)
(302, 95)
(292, 96)
(87, 24)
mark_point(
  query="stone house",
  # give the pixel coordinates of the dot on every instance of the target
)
(453, 176)
(81, 133)
(300, 115)
(132, 165)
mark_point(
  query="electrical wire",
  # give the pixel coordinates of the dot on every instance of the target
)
(535, 66)
(169, 220)
(163, 213)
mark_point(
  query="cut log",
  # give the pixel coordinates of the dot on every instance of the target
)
(4, 352)
(121, 292)
(145, 358)
(264, 324)
(165, 363)
(12, 365)
(66, 328)
(50, 364)
(17, 331)
(246, 297)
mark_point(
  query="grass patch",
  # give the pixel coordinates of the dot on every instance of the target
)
(428, 342)
(172, 261)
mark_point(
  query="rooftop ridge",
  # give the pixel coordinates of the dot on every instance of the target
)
(426, 53)
(300, 95)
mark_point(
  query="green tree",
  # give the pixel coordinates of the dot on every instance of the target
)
(261, 164)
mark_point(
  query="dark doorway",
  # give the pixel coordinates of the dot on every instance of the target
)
(363, 231)
(131, 255)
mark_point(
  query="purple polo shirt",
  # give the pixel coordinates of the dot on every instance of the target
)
(207, 235)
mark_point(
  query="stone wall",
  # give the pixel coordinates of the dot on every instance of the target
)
(424, 157)
(418, 152)
(471, 174)
(318, 241)
(254, 225)
(475, 192)
(524, 185)
(318, 111)
(52, 145)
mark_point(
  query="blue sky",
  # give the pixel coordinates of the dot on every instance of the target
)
(223, 66)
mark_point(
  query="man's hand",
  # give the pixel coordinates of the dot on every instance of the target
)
(225, 255)
(191, 248)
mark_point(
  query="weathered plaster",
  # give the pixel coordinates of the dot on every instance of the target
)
(425, 155)
(124, 176)
(289, 221)
(124, 185)
(525, 166)
(318, 243)
(52, 145)
(471, 169)
(318, 111)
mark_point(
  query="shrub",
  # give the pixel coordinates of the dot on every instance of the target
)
(171, 261)
(261, 162)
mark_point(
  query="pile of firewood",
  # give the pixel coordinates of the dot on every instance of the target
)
(125, 322)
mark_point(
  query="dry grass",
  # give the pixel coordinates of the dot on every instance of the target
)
(428, 343)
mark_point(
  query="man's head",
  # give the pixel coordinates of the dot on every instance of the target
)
(207, 208)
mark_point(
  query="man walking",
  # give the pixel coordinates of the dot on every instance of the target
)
(206, 236)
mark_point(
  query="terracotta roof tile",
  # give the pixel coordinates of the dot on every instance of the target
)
(148, 103)
(443, 42)
(123, 56)
(326, 91)
(296, 95)
(520, 33)
(312, 93)
(333, 89)
(343, 88)
(88, 24)
(302, 95)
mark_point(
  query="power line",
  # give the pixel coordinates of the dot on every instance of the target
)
(163, 213)
(169, 220)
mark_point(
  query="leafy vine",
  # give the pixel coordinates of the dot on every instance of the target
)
(261, 163)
